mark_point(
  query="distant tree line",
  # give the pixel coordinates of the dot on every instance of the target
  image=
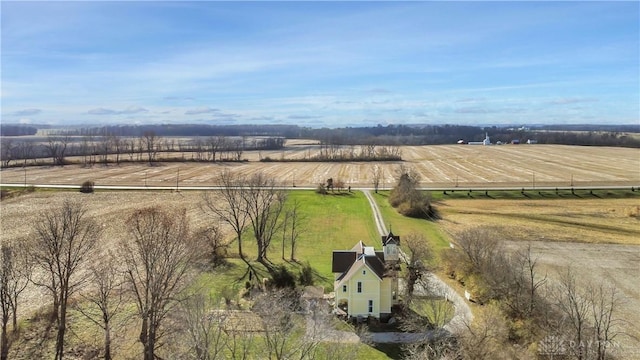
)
(17, 130)
(598, 135)
(109, 147)
(289, 131)
(340, 153)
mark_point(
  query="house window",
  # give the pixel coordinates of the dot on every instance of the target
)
(359, 286)
(344, 288)
(370, 306)
(364, 272)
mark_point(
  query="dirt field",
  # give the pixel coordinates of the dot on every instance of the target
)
(110, 209)
(439, 166)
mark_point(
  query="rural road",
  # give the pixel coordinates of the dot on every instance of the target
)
(427, 286)
(364, 189)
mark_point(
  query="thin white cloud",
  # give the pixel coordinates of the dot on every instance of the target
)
(102, 111)
(567, 101)
(304, 117)
(202, 110)
(127, 111)
(26, 112)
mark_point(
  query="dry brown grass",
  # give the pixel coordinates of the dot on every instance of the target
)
(600, 221)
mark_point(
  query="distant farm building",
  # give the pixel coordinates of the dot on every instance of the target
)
(486, 141)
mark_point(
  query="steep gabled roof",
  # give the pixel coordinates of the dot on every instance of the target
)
(390, 239)
(376, 265)
(342, 260)
(359, 247)
(348, 262)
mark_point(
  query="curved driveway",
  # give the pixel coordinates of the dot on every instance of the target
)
(429, 285)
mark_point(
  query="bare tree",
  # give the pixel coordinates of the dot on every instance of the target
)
(238, 149)
(104, 146)
(478, 245)
(240, 341)
(283, 325)
(151, 144)
(227, 204)
(377, 177)
(523, 283)
(263, 202)
(106, 300)
(203, 326)
(197, 144)
(254, 201)
(85, 149)
(118, 145)
(213, 236)
(418, 256)
(25, 151)
(15, 274)
(64, 239)
(604, 304)
(575, 306)
(7, 151)
(157, 257)
(296, 220)
(129, 146)
(485, 338)
(213, 144)
(56, 147)
(442, 348)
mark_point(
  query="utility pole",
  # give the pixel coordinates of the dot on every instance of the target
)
(178, 180)
(534, 180)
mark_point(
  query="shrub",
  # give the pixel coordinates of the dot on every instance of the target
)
(409, 201)
(321, 189)
(281, 277)
(306, 275)
(87, 187)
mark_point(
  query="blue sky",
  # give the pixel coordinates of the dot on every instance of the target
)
(320, 63)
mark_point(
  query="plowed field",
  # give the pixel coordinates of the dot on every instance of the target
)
(439, 166)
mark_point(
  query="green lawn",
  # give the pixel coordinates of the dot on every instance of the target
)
(331, 222)
(328, 222)
(401, 225)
